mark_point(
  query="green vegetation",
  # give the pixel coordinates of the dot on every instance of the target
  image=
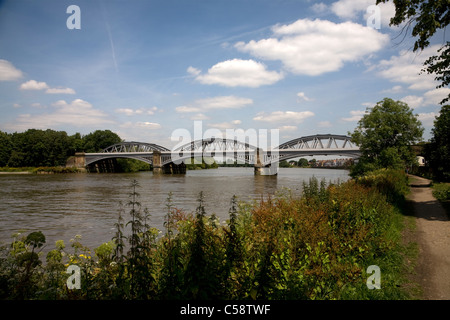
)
(438, 150)
(426, 18)
(385, 135)
(49, 148)
(317, 246)
(441, 191)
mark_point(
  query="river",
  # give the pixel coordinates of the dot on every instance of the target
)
(65, 205)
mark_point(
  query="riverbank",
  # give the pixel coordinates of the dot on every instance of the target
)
(40, 170)
(432, 234)
(315, 245)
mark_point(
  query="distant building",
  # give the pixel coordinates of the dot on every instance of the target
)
(420, 161)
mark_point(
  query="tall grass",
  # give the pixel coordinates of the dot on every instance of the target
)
(317, 246)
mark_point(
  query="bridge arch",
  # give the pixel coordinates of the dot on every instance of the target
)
(211, 147)
(129, 150)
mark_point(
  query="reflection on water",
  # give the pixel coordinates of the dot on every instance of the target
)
(62, 206)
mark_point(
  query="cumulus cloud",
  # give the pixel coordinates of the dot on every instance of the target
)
(427, 119)
(284, 116)
(140, 111)
(237, 72)
(405, 68)
(40, 85)
(353, 10)
(225, 125)
(356, 115)
(216, 103)
(429, 98)
(8, 72)
(314, 47)
(303, 96)
(78, 113)
(33, 85)
(60, 91)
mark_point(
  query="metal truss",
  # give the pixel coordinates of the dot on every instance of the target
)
(134, 147)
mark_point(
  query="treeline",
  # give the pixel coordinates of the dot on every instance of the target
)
(317, 246)
(49, 148)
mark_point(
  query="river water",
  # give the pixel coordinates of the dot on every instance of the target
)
(65, 205)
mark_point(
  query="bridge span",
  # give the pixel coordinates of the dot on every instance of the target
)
(264, 161)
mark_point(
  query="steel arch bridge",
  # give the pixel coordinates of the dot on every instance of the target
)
(130, 150)
(212, 147)
(321, 144)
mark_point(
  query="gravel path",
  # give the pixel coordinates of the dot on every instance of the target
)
(433, 238)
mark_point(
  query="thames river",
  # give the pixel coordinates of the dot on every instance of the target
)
(65, 205)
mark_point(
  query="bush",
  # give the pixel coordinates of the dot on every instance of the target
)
(283, 247)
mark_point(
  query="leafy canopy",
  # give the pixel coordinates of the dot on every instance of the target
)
(427, 17)
(385, 135)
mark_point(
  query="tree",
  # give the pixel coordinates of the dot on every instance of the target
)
(99, 140)
(303, 163)
(440, 145)
(5, 148)
(385, 135)
(427, 17)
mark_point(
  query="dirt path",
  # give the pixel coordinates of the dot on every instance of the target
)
(433, 238)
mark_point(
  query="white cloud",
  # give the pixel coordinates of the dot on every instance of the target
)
(427, 119)
(319, 7)
(413, 101)
(60, 91)
(303, 96)
(33, 85)
(78, 113)
(216, 103)
(225, 125)
(354, 9)
(237, 72)
(431, 97)
(193, 71)
(284, 116)
(394, 89)
(356, 115)
(8, 72)
(199, 116)
(140, 111)
(287, 128)
(405, 68)
(314, 47)
(40, 85)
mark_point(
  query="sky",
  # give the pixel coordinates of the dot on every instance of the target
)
(145, 69)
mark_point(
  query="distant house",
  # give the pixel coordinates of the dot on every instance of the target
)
(420, 161)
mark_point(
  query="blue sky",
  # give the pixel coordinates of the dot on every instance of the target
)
(145, 68)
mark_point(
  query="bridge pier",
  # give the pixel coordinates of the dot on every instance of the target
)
(157, 167)
(170, 168)
(260, 169)
(77, 161)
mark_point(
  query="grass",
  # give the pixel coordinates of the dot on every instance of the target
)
(441, 191)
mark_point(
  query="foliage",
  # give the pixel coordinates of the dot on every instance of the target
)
(440, 145)
(441, 191)
(385, 135)
(427, 17)
(49, 148)
(317, 246)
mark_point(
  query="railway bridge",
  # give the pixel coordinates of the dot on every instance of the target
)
(265, 162)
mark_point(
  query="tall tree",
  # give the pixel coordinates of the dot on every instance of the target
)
(99, 140)
(5, 148)
(385, 135)
(426, 17)
(440, 145)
